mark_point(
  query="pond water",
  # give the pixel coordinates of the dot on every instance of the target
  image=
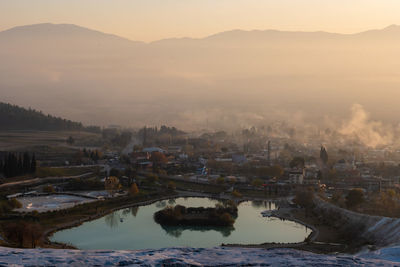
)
(135, 228)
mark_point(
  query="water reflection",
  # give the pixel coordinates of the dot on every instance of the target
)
(129, 229)
(126, 212)
(134, 211)
(161, 204)
(112, 219)
(176, 231)
(263, 204)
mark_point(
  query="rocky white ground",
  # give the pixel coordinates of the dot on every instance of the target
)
(193, 257)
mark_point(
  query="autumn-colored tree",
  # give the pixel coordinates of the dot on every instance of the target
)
(112, 185)
(236, 194)
(158, 158)
(134, 190)
(171, 185)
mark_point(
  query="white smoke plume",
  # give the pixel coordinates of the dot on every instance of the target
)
(361, 128)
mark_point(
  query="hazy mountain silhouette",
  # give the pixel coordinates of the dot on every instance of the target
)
(230, 78)
(60, 32)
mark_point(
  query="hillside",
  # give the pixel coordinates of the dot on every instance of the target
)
(13, 117)
(234, 78)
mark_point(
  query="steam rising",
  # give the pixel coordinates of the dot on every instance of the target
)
(370, 133)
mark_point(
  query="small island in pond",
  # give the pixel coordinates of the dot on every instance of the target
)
(221, 215)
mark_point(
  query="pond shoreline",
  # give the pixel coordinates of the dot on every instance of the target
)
(180, 194)
(48, 233)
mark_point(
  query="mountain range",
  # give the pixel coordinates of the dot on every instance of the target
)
(227, 80)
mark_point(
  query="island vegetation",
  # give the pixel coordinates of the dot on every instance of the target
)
(221, 215)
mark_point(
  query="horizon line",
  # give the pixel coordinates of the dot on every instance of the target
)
(204, 37)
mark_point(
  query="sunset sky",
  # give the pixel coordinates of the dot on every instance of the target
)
(149, 20)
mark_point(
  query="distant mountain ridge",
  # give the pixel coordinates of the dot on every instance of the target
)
(65, 30)
(69, 29)
(230, 78)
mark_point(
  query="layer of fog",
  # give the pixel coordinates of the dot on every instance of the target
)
(227, 81)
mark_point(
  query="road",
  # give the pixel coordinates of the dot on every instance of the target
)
(44, 180)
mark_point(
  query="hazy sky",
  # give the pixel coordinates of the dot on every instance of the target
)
(149, 20)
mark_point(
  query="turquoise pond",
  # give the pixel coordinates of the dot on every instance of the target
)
(134, 228)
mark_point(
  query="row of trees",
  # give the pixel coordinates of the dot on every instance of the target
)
(95, 155)
(15, 164)
(13, 117)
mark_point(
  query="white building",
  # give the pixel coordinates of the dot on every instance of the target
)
(296, 176)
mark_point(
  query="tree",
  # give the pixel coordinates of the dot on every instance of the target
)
(332, 175)
(236, 194)
(152, 178)
(134, 190)
(232, 181)
(14, 203)
(14, 164)
(112, 185)
(48, 189)
(26, 162)
(33, 163)
(70, 140)
(355, 197)
(227, 219)
(257, 182)
(23, 233)
(337, 196)
(276, 171)
(297, 162)
(115, 172)
(323, 155)
(305, 199)
(157, 158)
(171, 185)
(220, 180)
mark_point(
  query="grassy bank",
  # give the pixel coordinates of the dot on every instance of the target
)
(44, 224)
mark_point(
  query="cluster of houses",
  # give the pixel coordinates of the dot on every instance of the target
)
(195, 166)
